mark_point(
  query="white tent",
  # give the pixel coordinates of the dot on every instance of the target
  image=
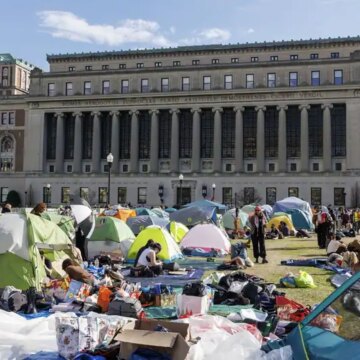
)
(206, 236)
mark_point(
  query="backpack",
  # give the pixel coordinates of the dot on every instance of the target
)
(194, 289)
(128, 307)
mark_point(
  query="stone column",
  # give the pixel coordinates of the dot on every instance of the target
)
(260, 139)
(115, 140)
(154, 144)
(59, 163)
(134, 146)
(304, 144)
(217, 140)
(195, 161)
(174, 160)
(239, 141)
(282, 155)
(327, 136)
(96, 142)
(78, 142)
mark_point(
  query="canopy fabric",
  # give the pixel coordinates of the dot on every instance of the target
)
(170, 210)
(208, 203)
(248, 208)
(229, 217)
(170, 250)
(19, 256)
(267, 209)
(292, 202)
(193, 215)
(206, 236)
(160, 213)
(276, 221)
(139, 223)
(66, 223)
(300, 219)
(110, 235)
(177, 230)
(141, 211)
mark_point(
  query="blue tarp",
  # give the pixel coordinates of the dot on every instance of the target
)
(194, 215)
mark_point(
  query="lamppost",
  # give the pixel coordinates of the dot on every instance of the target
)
(109, 159)
(48, 194)
(25, 201)
(181, 178)
(213, 191)
(204, 191)
(161, 193)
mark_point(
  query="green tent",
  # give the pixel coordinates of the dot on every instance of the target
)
(66, 223)
(110, 235)
(22, 238)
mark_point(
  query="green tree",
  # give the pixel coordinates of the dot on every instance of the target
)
(13, 198)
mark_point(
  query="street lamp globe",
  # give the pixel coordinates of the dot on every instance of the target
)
(48, 186)
(181, 177)
(213, 186)
(110, 158)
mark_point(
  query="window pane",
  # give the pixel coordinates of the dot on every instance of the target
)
(207, 133)
(122, 195)
(249, 135)
(144, 134)
(271, 132)
(339, 196)
(293, 191)
(84, 193)
(315, 131)
(125, 135)
(293, 132)
(102, 195)
(338, 130)
(227, 195)
(164, 134)
(228, 134)
(315, 196)
(271, 195)
(142, 191)
(185, 134)
(65, 195)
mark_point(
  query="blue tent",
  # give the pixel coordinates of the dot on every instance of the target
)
(311, 342)
(193, 215)
(220, 208)
(141, 211)
(300, 219)
(138, 223)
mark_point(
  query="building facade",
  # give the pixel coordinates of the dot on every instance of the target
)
(259, 121)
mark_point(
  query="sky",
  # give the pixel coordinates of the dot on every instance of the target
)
(32, 29)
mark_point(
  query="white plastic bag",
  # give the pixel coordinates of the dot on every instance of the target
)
(284, 353)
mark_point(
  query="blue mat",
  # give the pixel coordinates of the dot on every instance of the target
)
(39, 314)
(174, 280)
(45, 355)
(320, 263)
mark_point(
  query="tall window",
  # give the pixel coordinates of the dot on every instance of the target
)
(50, 136)
(105, 131)
(185, 85)
(106, 87)
(176, 63)
(215, 61)
(339, 196)
(228, 82)
(207, 83)
(335, 55)
(293, 79)
(7, 154)
(46, 195)
(196, 62)
(69, 136)
(122, 66)
(140, 65)
(316, 196)
(164, 84)
(164, 134)
(254, 59)
(207, 133)
(69, 89)
(227, 197)
(144, 85)
(315, 131)
(158, 64)
(87, 132)
(338, 130)
(228, 134)
(294, 57)
(250, 81)
(88, 67)
(271, 195)
(51, 89)
(235, 60)
(11, 118)
(124, 135)
(65, 195)
(315, 78)
(87, 87)
(4, 194)
(271, 80)
(122, 192)
(84, 193)
(249, 133)
(4, 118)
(142, 193)
(144, 135)
(293, 191)
(103, 195)
(314, 56)
(338, 77)
(185, 134)
(274, 58)
(249, 195)
(271, 132)
(124, 86)
(293, 131)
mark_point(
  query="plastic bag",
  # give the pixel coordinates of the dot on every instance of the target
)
(304, 280)
(284, 353)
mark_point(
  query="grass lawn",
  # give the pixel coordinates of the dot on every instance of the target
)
(292, 248)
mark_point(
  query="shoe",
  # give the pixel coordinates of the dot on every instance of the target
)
(265, 261)
(256, 261)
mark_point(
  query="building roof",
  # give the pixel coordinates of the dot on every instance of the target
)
(7, 58)
(204, 48)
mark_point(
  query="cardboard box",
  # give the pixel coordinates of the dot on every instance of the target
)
(141, 334)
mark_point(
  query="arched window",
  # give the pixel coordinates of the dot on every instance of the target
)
(7, 155)
(7, 145)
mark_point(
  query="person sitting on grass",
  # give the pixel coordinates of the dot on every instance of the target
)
(284, 229)
(273, 233)
(148, 259)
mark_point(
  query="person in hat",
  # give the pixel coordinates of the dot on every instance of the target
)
(39, 209)
(258, 225)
